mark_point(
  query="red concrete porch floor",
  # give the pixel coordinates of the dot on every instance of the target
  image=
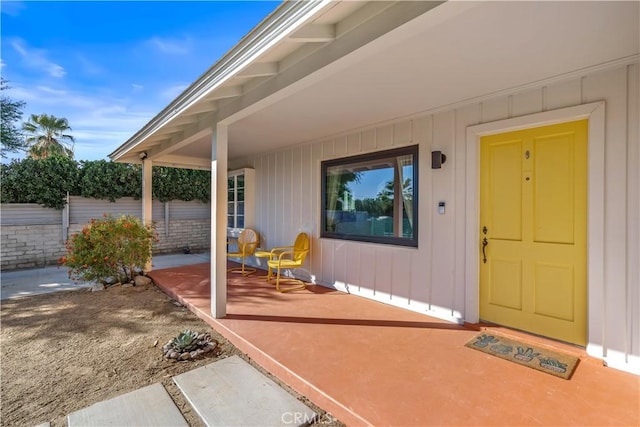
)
(369, 363)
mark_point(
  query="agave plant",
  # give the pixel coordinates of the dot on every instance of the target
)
(188, 345)
(185, 341)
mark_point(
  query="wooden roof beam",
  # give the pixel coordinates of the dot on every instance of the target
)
(202, 107)
(226, 92)
(259, 69)
(314, 33)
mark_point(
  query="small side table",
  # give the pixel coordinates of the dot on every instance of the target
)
(267, 255)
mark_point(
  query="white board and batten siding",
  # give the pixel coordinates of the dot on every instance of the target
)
(431, 278)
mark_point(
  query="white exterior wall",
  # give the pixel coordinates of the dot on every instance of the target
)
(431, 278)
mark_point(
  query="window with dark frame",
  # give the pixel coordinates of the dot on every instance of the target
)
(372, 197)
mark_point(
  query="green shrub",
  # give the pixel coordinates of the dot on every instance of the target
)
(181, 184)
(100, 179)
(43, 181)
(47, 181)
(109, 248)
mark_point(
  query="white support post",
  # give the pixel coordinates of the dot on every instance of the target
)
(219, 146)
(147, 201)
(166, 219)
(65, 219)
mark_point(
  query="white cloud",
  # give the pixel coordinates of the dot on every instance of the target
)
(136, 87)
(12, 8)
(52, 91)
(99, 123)
(56, 70)
(46, 97)
(102, 129)
(171, 46)
(88, 66)
(37, 59)
(17, 46)
(111, 118)
(172, 92)
(94, 144)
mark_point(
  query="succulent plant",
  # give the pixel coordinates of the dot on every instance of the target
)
(188, 344)
(185, 341)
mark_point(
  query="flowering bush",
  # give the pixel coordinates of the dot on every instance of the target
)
(109, 248)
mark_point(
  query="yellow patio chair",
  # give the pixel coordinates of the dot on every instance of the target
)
(288, 257)
(247, 241)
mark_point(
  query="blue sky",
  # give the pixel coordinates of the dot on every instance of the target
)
(109, 67)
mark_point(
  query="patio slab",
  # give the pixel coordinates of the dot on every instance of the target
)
(230, 392)
(369, 363)
(149, 406)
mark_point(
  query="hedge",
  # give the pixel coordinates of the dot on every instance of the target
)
(47, 181)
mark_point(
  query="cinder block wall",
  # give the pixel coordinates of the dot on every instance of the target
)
(25, 246)
(194, 233)
(32, 236)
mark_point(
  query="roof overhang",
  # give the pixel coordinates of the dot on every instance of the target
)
(316, 69)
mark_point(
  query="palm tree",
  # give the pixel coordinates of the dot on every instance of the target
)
(47, 137)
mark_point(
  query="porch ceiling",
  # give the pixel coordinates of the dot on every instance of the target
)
(452, 53)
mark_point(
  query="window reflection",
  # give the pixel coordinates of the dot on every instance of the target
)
(371, 197)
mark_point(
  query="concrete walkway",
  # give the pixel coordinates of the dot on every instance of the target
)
(228, 392)
(34, 281)
(146, 407)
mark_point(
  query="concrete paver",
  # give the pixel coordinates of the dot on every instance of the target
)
(230, 392)
(34, 281)
(149, 406)
(175, 260)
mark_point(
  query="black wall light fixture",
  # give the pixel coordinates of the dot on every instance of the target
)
(437, 159)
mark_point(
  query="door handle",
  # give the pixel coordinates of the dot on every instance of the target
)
(485, 242)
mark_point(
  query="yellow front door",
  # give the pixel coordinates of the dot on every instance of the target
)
(533, 226)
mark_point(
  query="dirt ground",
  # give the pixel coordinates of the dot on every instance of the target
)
(65, 351)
